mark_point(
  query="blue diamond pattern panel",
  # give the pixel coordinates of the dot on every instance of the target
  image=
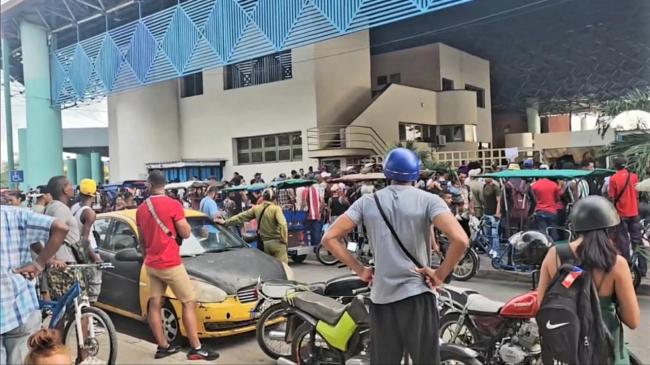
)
(201, 34)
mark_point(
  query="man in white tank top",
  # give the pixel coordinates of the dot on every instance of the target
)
(85, 217)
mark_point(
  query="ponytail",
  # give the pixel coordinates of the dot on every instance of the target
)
(596, 251)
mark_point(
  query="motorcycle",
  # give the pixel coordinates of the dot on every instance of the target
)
(272, 333)
(334, 333)
(502, 333)
(641, 254)
(468, 265)
(356, 244)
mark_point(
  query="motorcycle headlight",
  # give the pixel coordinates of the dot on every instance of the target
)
(288, 271)
(208, 293)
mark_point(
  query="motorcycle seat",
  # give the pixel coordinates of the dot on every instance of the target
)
(481, 305)
(322, 308)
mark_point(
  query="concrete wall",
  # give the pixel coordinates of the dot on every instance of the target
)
(465, 68)
(142, 127)
(588, 138)
(398, 104)
(407, 104)
(505, 123)
(519, 140)
(342, 77)
(425, 66)
(458, 107)
(417, 66)
(210, 122)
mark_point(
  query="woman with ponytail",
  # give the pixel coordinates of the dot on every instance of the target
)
(45, 348)
(594, 220)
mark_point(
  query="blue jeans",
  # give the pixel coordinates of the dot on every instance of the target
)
(544, 220)
(493, 231)
(313, 228)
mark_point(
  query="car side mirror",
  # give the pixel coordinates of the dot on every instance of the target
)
(128, 254)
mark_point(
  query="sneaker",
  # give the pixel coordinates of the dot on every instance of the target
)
(493, 254)
(166, 351)
(202, 354)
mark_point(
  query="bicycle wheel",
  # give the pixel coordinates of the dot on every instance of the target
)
(99, 345)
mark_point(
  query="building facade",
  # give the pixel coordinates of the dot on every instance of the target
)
(322, 103)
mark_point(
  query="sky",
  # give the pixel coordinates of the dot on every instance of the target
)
(86, 116)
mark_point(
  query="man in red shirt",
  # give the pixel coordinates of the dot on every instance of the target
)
(160, 221)
(547, 194)
(626, 200)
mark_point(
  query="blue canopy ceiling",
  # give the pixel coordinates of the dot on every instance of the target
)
(200, 34)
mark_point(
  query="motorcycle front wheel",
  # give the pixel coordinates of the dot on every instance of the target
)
(636, 276)
(270, 330)
(465, 333)
(303, 353)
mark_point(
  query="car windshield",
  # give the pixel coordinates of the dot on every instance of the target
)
(208, 237)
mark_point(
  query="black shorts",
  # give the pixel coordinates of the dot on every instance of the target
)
(410, 325)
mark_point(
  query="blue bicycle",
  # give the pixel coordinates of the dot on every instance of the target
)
(87, 331)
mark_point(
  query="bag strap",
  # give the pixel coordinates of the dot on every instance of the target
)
(392, 231)
(620, 194)
(259, 223)
(162, 226)
(565, 254)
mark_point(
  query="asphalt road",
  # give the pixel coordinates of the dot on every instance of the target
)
(136, 344)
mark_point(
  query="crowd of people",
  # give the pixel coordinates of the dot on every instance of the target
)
(58, 230)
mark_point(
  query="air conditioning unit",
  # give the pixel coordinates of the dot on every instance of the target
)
(441, 140)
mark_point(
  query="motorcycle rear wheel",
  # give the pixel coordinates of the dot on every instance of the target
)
(303, 354)
(325, 257)
(467, 267)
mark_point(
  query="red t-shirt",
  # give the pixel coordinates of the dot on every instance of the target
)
(547, 194)
(628, 204)
(162, 250)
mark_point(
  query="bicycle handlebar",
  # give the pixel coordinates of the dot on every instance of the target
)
(97, 265)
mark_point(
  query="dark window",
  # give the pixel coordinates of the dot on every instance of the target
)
(270, 148)
(123, 237)
(101, 227)
(192, 85)
(382, 80)
(480, 95)
(396, 78)
(258, 71)
(447, 84)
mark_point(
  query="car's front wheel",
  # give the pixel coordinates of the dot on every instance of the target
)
(171, 324)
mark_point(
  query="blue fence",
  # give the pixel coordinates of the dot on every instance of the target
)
(203, 34)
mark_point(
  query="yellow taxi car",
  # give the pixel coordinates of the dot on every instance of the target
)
(222, 267)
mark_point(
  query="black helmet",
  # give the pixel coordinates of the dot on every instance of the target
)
(530, 247)
(593, 213)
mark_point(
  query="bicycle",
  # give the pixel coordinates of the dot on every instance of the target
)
(94, 325)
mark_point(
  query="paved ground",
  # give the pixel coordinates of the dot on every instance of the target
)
(136, 344)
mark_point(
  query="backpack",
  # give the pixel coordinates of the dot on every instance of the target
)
(571, 328)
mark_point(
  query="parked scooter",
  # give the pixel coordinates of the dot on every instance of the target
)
(334, 333)
(273, 335)
(641, 254)
(502, 333)
(356, 243)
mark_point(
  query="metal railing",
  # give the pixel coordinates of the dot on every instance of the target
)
(345, 136)
(487, 157)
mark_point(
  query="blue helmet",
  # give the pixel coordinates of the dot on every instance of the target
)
(528, 163)
(402, 164)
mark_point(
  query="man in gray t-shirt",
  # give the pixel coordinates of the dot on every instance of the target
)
(403, 316)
